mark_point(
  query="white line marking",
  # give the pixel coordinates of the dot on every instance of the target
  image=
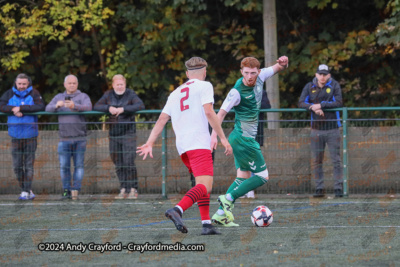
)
(316, 203)
(152, 229)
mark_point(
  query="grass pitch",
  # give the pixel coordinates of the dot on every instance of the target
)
(305, 232)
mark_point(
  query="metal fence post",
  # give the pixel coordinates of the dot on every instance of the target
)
(164, 162)
(345, 155)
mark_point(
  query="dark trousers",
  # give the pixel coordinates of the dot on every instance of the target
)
(319, 139)
(23, 155)
(123, 153)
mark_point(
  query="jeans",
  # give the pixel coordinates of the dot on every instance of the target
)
(76, 150)
(23, 155)
(319, 139)
(123, 153)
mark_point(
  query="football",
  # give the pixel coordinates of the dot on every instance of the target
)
(262, 216)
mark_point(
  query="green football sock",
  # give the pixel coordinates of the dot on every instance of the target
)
(247, 185)
(232, 187)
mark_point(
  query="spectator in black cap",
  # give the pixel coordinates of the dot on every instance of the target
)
(317, 96)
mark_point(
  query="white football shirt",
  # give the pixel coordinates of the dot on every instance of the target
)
(189, 121)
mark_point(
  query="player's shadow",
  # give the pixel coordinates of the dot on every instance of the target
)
(20, 239)
(368, 239)
(18, 205)
(89, 202)
(229, 240)
(299, 238)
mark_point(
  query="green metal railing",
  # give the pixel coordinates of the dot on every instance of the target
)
(345, 125)
(345, 120)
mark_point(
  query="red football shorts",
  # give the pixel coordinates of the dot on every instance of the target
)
(199, 162)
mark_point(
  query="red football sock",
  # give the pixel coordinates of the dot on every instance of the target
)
(192, 196)
(204, 207)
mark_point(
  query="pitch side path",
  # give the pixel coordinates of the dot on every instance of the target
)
(361, 230)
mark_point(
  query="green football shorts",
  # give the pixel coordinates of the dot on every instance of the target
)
(247, 153)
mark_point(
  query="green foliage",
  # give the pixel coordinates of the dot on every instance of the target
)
(334, 34)
(13, 61)
(321, 4)
(244, 5)
(148, 41)
(388, 32)
(50, 19)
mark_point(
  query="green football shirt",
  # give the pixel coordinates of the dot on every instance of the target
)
(246, 102)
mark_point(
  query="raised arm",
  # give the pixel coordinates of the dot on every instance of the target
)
(282, 63)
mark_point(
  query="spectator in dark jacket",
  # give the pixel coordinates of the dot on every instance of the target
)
(23, 129)
(265, 104)
(320, 94)
(121, 103)
(72, 132)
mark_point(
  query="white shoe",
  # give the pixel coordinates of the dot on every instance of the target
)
(31, 195)
(250, 194)
(121, 194)
(133, 194)
(74, 194)
(24, 196)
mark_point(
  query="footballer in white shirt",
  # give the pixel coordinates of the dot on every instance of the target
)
(190, 108)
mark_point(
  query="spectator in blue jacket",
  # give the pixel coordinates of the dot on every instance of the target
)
(72, 132)
(320, 94)
(23, 129)
(121, 103)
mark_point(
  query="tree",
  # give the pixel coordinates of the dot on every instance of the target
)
(388, 32)
(49, 39)
(52, 20)
(331, 32)
(271, 54)
(149, 40)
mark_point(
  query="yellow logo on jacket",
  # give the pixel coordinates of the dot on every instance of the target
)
(328, 90)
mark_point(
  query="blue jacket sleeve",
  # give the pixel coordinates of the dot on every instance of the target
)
(304, 97)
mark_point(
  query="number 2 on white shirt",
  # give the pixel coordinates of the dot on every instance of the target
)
(185, 97)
